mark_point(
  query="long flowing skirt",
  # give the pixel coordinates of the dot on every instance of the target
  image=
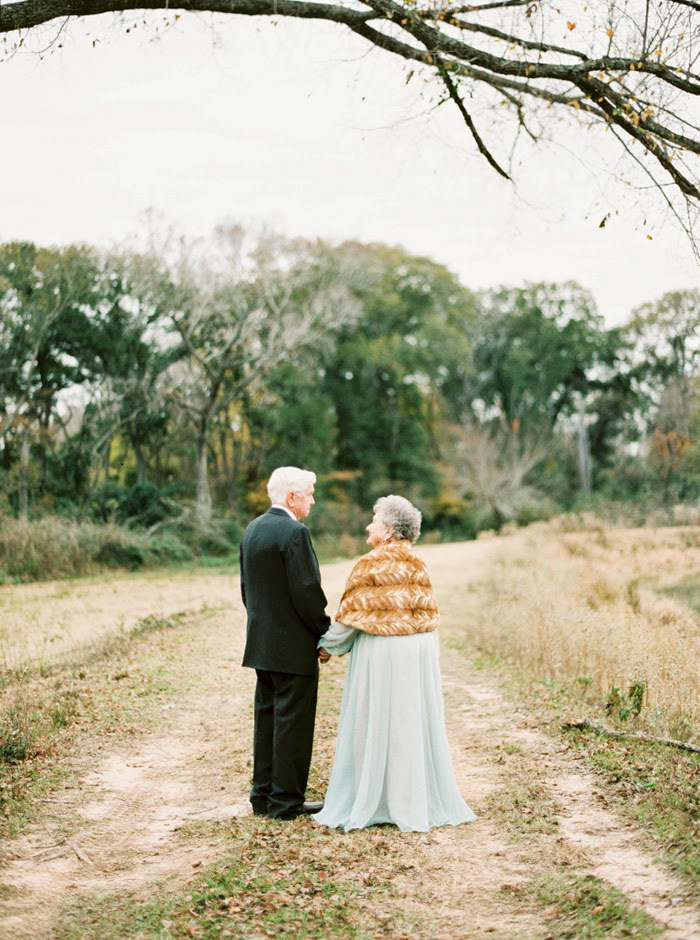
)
(392, 761)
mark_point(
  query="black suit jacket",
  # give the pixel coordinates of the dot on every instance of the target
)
(281, 588)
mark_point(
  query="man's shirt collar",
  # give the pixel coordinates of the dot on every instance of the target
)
(288, 511)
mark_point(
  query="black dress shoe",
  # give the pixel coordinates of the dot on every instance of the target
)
(306, 809)
(259, 809)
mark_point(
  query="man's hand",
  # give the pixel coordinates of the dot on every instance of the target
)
(323, 655)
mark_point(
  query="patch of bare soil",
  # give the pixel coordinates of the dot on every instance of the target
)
(118, 828)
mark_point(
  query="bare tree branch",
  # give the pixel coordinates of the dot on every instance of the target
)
(693, 4)
(449, 84)
(476, 8)
(586, 724)
(636, 70)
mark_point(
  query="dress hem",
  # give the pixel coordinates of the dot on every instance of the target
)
(391, 822)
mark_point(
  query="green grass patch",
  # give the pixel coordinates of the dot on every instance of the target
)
(686, 591)
(150, 623)
(282, 880)
(587, 908)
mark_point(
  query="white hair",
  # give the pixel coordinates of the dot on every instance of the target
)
(399, 515)
(285, 480)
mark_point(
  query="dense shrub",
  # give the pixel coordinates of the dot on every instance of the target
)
(144, 504)
(105, 501)
(118, 553)
(233, 531)
(141, 505)
(166, 547)
(535, 512)
(55, 547)
(219, 538)
(453, 518)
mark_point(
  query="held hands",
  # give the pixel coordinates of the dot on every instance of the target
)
(323, 655)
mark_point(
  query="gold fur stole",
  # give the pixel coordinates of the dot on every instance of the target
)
(389, 593)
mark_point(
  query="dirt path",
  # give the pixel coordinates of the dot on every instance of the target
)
(119, 827)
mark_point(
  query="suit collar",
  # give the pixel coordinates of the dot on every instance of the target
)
(274, 511)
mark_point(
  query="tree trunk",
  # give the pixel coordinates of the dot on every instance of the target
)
(584, 453)
(235, 459)
(140, 463)
(137, 446)
(225, 466)
(158, 465)
(23, 480)
(203, 503)
(499, 517)
(44, 423)
(106, 458)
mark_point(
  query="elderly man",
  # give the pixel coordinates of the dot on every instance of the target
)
(281, 589)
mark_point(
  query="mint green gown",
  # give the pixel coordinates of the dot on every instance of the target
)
(392, 761)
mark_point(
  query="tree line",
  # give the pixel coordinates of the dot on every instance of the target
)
(160, 385)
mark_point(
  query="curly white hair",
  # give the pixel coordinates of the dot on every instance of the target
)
(400, 515)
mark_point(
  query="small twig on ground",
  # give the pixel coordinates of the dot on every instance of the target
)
(82, 855)
(46, 848)
(581, 724)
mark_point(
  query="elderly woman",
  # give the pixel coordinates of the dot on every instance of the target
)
(392, 761)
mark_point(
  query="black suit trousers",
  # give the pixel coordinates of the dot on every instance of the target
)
(285, 711)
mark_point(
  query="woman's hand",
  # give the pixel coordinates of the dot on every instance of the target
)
(323, 655)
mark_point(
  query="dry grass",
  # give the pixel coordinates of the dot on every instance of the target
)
(57, 548)
(584, 607)
(42, 624)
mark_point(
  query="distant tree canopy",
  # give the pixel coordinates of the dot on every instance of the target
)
(512, 69)
(134, 386)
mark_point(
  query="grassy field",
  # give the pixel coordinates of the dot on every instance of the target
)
(606, 611)
(126, 759)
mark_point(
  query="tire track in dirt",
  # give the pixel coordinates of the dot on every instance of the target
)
(116, 828)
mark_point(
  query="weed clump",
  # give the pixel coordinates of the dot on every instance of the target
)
(17, 730)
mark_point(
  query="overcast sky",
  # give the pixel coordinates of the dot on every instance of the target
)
(309, 129)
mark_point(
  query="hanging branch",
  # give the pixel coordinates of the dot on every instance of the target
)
(454, 94)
